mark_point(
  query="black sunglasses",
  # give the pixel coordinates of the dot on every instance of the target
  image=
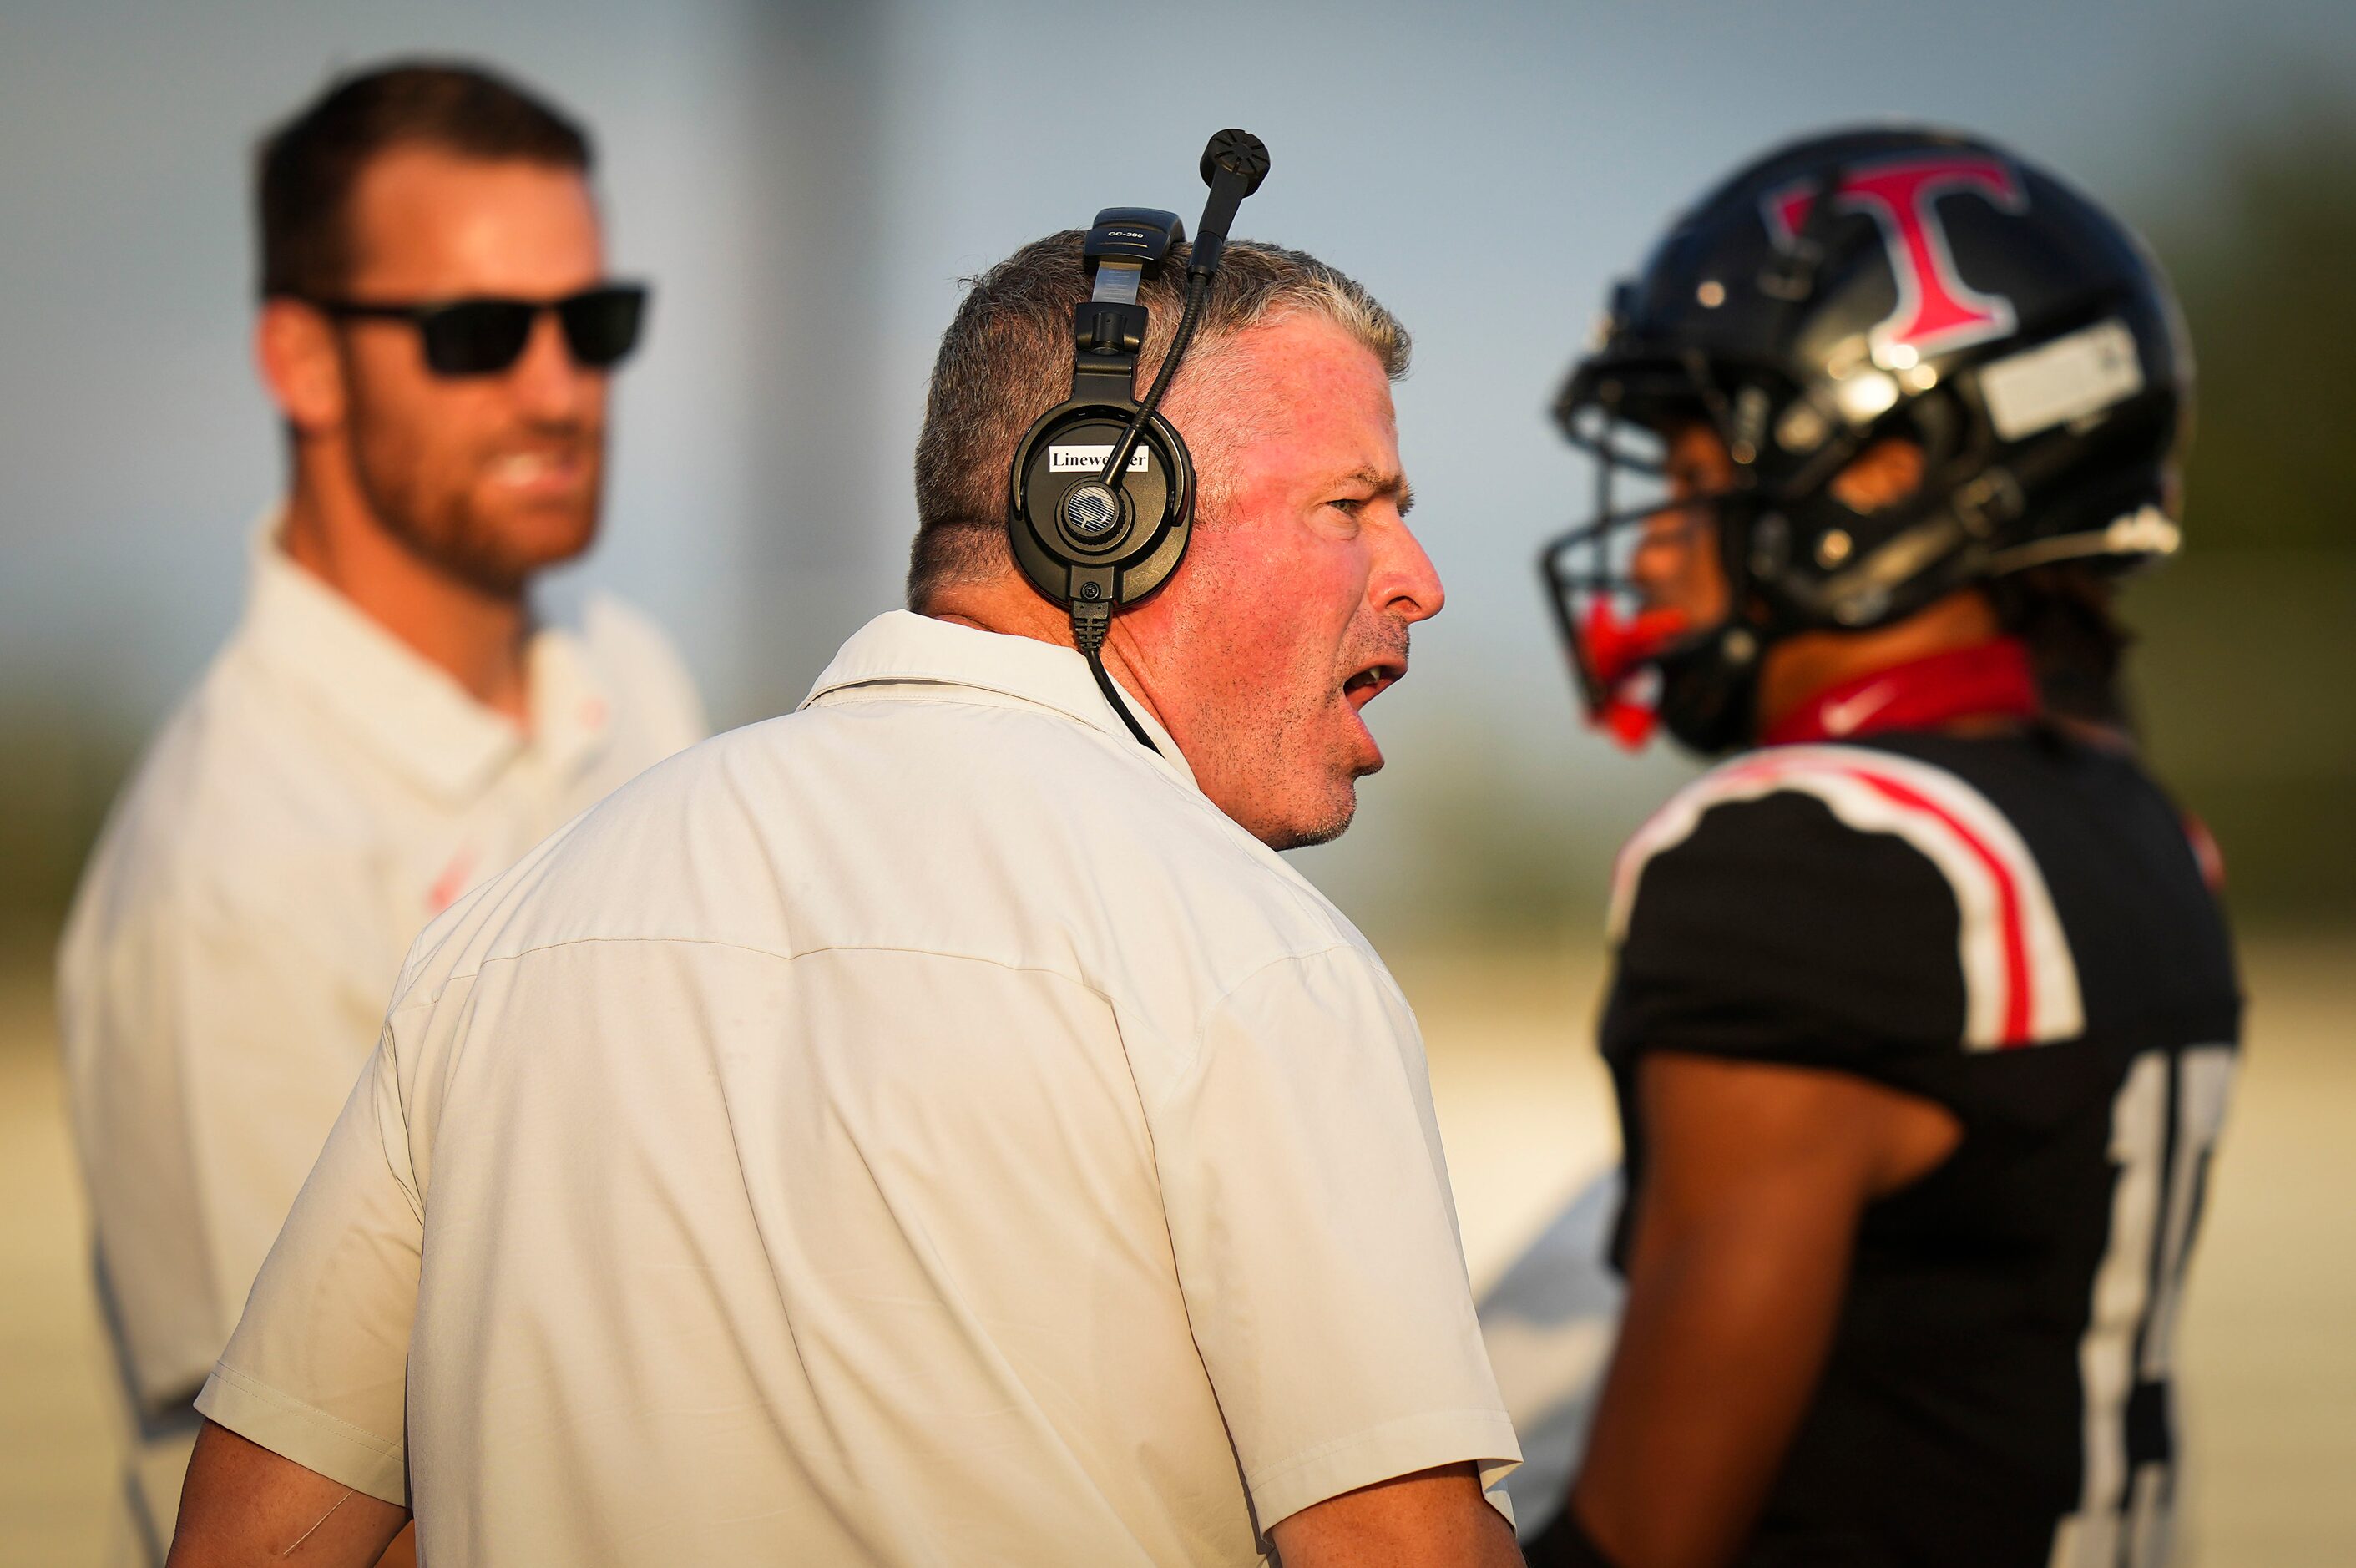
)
(483, 337)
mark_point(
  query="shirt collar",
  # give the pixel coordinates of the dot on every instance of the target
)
(900, 647)
(403, 708)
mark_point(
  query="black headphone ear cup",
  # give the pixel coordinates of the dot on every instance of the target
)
(1034, 556)
(1160, 550)
(1062, 519)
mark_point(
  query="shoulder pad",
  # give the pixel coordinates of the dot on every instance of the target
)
(2021, 981)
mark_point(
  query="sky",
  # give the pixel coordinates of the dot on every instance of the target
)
(805, 184)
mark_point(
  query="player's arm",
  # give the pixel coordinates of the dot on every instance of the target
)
(243, 1505)
(1433, 1518)
(1756, 1175)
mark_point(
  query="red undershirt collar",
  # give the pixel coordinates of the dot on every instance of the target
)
(1989, 680)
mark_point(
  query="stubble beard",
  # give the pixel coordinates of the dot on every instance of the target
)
(1326, 831)
(1284, 774)
(431, 509)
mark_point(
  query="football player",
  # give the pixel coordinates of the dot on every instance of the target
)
(1923, 1011)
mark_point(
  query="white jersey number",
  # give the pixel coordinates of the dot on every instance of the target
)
(2163, 1125)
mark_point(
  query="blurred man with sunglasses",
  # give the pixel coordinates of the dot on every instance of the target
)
(389, 725)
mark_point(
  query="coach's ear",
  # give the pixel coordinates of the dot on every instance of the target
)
(302, 365)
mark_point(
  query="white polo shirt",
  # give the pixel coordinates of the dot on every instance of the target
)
(321, 795)
(919, 1130)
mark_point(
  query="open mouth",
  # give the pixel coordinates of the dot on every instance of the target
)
(1371, 682)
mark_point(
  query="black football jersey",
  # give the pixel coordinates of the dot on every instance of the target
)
(2020, 928)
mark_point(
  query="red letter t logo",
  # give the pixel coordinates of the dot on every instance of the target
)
(1936, 309)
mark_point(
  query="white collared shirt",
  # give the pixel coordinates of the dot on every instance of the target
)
(920, 1129)
(319, 796)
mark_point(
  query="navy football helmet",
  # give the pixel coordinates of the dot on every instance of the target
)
(1846, 288)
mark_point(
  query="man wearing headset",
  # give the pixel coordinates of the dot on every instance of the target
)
(935, 1126)
(387, 726)
(1924, 1014)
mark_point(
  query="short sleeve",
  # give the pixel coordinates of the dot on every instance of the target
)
(1777, 933)
(1316, 1242)
(316, 1371)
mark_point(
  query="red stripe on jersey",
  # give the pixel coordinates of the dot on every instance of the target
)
(2017, 997)
(2205, 853)
(2012, 932)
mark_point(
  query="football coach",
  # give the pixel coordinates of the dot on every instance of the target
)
(935, 1126)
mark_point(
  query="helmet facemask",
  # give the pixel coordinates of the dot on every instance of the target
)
(1653, 593)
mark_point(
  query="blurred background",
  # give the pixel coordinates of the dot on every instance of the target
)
(806, 183)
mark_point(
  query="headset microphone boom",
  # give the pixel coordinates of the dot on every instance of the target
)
(1101, 491)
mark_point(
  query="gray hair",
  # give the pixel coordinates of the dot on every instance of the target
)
(1007, 358)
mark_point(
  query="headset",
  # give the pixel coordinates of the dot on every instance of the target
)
(1100, 499)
